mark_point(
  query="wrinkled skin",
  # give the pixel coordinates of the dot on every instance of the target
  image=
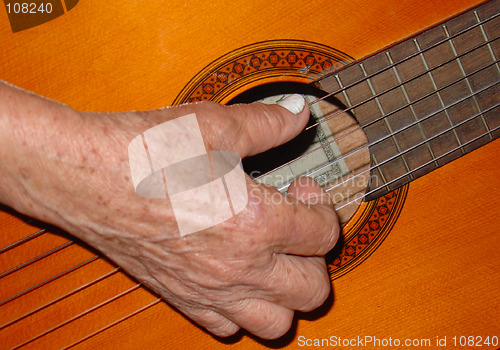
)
(252, 271)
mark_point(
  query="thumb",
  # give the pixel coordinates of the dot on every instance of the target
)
(262, 126)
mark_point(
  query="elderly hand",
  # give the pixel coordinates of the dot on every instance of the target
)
(252, 271)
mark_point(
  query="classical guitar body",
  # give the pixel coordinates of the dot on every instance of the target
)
(418, 265)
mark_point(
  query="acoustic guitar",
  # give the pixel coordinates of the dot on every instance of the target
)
(405, 115)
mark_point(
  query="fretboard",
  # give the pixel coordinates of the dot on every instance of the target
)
(427, 100)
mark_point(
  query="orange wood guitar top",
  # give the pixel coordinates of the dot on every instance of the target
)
(437, 274)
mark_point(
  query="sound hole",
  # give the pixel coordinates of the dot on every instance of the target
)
(333, 152)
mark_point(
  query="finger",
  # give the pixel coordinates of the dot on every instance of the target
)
(298, 283)
(260, 126)
(307, 228)
(212, 321)
(247, 129)
(261, 318)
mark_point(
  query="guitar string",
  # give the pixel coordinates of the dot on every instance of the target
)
(382, 118)
(353, 152)
(455, 126)
(318, 169)
(477, 138)
(81, 314)
(62, 297)
(22, 240)
(48, 280)
(35, 259)
(421, 143)
(393, 65)
(394, 87)
(156, 301)
(401, 84)
(460, 146)
(419, 52)
(124, 318)
(358, 128)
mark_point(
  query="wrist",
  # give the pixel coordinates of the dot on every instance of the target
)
(31, 128)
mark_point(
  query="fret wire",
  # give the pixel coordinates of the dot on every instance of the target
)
(397, 131)
(347, 99)
(95, 307)
(41, 256)
(372, 156)
(48, 280)
(438, 93)
(22, 240)
(114, 323)
(493, 57)
(368, 124)
(62, 297)
(467, 82)
(420, 144)
(420, 167)
(403, 60)
(464, 74)
(384, 117)
(485, 36)
(408, 100)
(333, 114)
(379, 169)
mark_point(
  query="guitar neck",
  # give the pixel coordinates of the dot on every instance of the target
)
(427, 100)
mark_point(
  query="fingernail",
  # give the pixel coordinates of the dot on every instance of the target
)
(294, 103)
